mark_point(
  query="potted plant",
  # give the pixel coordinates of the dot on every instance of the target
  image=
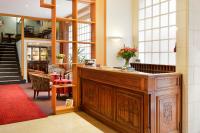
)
(127, 53)
(60, 58)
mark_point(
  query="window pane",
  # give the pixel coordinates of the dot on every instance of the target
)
(141, 3)
(164, 46)
(172, 32)
(164, 20)
(164, 58)
(164, 8)
(141, 25)
(156, 22)
(172, 44)
(155, 1)
(156, 34)
(148, 23)
(172, 5)
(155, 58)
(148, 12)
(172, 19)
(148, 3)
(172, 58)
(141, 14)
(156, 10)
(141, 57)
(141, 47)
(148, 34)
(147, 46)
(148, 58)
(141, 36)
(155, 46)
(164, 33)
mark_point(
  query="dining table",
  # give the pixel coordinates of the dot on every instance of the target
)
(63, 90)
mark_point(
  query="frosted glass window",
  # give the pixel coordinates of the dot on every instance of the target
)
(155, 58)
(148, 35)
(172, 58)
(157, 31)
(164, 33)
(172, 44)
(164, 20)
(141, 47)
(141, 3)
(164, 8)
(172, 18)
(156, 10)
(148, 12)
(156, 46)
(156, 22)
(141, 25)
(164, 58)
(141, 14)
(172, 33)
(148, 23)
(172, 5)
(148, 58)
(141, 36)
(156, 1)
(148, 3)
(147, 46)
(164, 46)
(156, 34)
(141, 57)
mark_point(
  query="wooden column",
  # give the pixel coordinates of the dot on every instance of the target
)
(22, 47)
(75, 48)
(93, 30)
(53, 35)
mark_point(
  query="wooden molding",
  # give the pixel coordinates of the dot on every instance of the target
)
(45, 5)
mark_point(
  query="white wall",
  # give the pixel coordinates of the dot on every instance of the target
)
(9, 25)
(119, 24)
(194, 67)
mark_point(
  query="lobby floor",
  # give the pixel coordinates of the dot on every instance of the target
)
(66, 123)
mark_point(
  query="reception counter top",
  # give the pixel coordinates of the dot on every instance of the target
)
(131, 102)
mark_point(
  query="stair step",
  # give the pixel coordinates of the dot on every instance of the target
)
(11, 52)
(8, 66)
(8, 55)
(9, 74)
(8, 62)
(4, 78)
(8, 58)
(9, 69)
(8, 45)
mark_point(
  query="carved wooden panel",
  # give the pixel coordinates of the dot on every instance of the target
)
(134, 82)
(166, 82)
(106, 101)
(167, 114)
(90, 94)
(130, 111)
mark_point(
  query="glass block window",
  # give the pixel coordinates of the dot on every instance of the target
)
(157, 31)
(84, 35)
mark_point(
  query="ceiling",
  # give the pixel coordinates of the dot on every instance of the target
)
(32, 8)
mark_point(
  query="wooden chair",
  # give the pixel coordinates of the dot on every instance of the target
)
(40, 84)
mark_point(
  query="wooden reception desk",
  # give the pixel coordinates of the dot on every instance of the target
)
(132, 102)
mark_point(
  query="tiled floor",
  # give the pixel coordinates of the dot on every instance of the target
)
(66, 123)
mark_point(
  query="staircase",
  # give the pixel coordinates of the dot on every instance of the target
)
(9, 65)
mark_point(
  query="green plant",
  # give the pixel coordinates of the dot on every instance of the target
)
(60, 56)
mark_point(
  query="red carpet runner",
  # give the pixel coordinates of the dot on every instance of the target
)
(15, 106)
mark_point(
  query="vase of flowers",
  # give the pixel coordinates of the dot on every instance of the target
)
(127, 53)
(60, 58)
